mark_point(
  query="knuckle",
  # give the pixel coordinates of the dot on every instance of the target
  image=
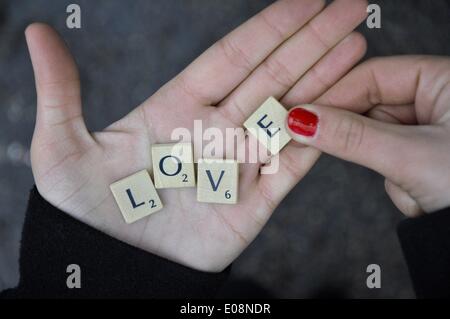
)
(189, 89)
(322, 81)
(272, 27)
(350, 134)
(318, 36)
(279, 73)
(235, 55)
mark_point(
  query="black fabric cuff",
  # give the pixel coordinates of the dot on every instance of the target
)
(426, 246)
(52, 240)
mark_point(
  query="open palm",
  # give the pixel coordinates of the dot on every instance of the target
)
(293, 50)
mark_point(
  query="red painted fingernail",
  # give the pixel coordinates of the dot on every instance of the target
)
(303, 122)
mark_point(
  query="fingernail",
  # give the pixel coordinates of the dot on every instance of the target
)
(303, 122)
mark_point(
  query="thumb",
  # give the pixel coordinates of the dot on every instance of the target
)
(57, 82)
(380, 146)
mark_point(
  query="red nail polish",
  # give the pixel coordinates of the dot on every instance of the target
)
(303, 122)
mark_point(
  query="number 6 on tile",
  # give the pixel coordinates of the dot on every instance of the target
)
(217, 181)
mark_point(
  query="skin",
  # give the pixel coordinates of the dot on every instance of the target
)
(405, 133)
(290, 46)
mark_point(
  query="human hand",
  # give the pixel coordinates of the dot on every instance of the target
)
(292, 50)
(405, 135)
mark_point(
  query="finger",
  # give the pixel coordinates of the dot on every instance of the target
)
(390, 81)
(228, 62)
(402, 200)
(395, 114)
(296, 160)
(354, 138)
(57, 81)
(325, 74)
(281, 70)
(329, 70)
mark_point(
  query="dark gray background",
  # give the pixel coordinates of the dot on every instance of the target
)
(332, 225)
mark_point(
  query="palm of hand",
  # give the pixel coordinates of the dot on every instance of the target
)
(73, 169)
(186, 231)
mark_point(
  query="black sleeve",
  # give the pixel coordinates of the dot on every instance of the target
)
(52, 240)
(426, 246)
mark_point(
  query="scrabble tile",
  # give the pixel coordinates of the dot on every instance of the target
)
(267, 124)
(173, 165)
(217, 181)
(136, 196)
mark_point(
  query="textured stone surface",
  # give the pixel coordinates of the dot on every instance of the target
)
(333, 224)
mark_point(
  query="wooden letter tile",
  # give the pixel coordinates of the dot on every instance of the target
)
(267, 124)
(173, 165)
(217, 181)
(136, 196)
